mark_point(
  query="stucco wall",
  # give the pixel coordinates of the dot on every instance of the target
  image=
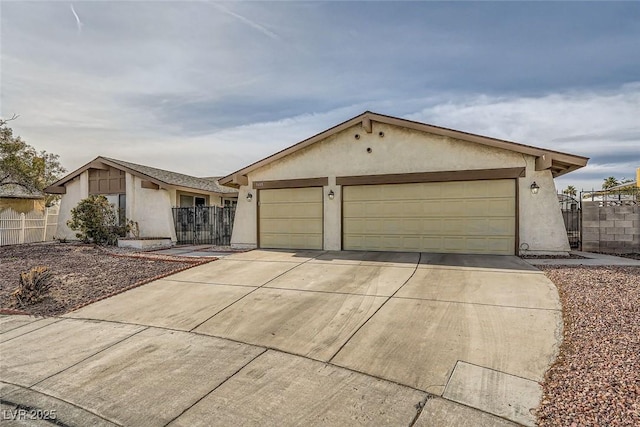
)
(542, 229)
(403, 150)
(69, 201)
(151, 209)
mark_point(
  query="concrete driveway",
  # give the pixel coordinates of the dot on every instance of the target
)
(289, 338)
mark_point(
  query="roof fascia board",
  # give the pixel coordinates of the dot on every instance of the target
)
(299, 146)
(366, 118)
(198, 191)
(72, 175)
(97, 165)
(466, 136)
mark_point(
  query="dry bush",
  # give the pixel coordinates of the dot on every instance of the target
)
(34, 286)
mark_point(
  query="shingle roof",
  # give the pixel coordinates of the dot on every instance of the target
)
(175, 178)
(18, 192)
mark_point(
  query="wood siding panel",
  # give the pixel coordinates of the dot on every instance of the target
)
(109, 181)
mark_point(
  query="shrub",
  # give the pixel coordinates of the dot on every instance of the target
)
(34, 286)
(133, 228)
(96, 220)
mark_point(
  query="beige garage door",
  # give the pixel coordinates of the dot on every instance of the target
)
(447, 217)
(290, 218)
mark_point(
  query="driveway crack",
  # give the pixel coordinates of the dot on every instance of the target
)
(415, 269)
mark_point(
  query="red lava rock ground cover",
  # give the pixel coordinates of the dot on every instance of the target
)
(596, 378)
(82, 273)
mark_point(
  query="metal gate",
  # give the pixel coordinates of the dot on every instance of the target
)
(202, 225)
(572, 215)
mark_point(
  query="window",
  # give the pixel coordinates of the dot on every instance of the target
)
(122, 208)
(186, 201)
(200, 201)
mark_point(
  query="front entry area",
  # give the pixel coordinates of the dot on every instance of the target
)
(290, 218)
(475, 217)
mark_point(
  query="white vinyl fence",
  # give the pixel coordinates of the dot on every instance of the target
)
(16, 228)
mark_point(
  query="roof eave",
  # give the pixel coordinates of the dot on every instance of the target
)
(237, 178)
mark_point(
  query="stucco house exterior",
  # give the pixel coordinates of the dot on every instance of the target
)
(382, 183)
(143, 193)
(20, 199)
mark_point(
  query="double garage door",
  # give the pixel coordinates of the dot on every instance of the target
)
(445, 217)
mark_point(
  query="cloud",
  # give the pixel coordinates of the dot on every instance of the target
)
(78, 22)
(246, 21)
(206, 88)
(600, 124)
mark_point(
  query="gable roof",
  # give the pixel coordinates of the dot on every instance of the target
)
(559, 163)
(161, 177)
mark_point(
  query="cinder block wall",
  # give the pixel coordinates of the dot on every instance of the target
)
(610, 228)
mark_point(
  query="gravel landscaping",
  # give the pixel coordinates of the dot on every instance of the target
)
(81, 273)
(596, 378)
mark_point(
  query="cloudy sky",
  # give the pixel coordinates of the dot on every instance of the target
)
(204, 87)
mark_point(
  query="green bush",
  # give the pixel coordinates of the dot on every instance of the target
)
(96, 220)
(34, 286)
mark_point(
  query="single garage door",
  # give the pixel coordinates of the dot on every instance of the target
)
(290, 218)
(446, 217)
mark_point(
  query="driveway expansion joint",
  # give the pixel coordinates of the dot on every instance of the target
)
(90, 356)
(249, 293)
(216, 387)
(378, 309)
(29, 331)
(453, 383)
(4, 400)
(476, 303)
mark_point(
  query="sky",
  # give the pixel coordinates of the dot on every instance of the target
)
(206, 88)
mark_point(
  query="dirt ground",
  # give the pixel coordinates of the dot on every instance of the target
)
(596, 378)
(82, 273)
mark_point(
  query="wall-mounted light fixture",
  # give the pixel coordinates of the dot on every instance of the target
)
(534, 188)
(249, 197)
(331, 195)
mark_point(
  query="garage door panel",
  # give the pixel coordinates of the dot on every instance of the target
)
(295, 226)
(501, 227)
(465, 217)
(290, 241)
(460, 207)
(291, 218)
(288, 195)
(501, 207)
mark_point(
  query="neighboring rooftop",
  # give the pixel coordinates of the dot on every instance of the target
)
(13, 191)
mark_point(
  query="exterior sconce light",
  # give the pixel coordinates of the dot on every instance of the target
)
(331, 195)
(534, 188)
(249, 197)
